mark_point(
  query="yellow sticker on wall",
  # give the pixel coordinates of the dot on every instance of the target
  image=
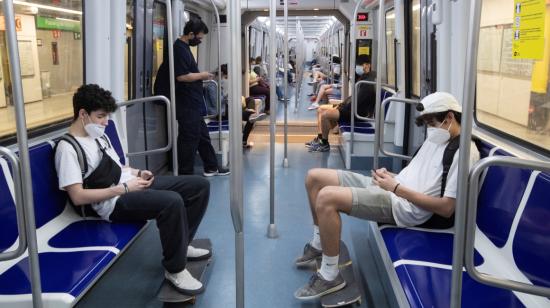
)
(528, 29)
(364, 51)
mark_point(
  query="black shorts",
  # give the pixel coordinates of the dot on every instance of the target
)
(345, 114)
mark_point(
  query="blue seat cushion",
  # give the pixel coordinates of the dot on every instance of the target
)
(358, 130)
(88, 233)
(356, 124)
(115, 140)
(60, 272)
(409, 244)
(8, 218)
(427, 286)
(498, 201)
(530, 248)
(49, 201)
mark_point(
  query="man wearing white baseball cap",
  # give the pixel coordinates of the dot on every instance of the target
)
(422, 194)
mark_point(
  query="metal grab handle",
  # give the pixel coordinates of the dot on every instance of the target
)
(19, 207)
(164, 100)
(473, 192)
(387, 87)
(379, 146)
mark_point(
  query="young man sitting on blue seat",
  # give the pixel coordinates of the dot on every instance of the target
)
(328, 116)
(416, 196)
(122, 194)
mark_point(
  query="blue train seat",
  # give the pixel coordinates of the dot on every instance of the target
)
(73, 251)
(422, 258)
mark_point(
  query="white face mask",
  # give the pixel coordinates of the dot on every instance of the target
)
(439, 135)
(359, 70)
(94, 130)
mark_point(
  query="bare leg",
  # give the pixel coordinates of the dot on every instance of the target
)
(331, 200)
(328, 121)
(316, 179)
(320, 113)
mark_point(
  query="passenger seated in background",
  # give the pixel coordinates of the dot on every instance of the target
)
(123, 194)
(410, 198)
(258, 87)
(251, 108)
(329, 116)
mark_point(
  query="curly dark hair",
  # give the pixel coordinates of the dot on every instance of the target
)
(92, 97)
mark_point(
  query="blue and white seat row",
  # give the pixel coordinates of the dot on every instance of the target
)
(73, 251)
(512, 242)
(364, 135)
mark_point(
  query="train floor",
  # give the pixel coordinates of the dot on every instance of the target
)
(270, 275)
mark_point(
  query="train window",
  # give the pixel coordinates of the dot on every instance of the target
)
(390, 47)
(415, 67)
(512, 93)
(159, 33)
(51, 57)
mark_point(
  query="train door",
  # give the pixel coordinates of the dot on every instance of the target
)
(146, 123)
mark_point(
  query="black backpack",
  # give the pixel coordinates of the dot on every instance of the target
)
(437, 221)
(84, 210)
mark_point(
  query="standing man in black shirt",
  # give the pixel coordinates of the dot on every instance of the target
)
(193, 134)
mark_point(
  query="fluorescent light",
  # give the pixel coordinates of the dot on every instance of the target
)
(391, 16)
(416, 7)
(48, 7)
(316, 9)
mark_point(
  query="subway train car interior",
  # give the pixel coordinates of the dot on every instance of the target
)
(275, 153)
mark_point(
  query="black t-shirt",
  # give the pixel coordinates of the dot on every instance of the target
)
(189, 95)
(366, 99)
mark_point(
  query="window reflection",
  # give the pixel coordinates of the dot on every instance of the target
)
(415, 48)
(512, 94)
(390, 46)
(50, 52)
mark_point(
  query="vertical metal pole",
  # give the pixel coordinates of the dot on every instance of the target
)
(22, 143)
(470, 75)
(298, 75)
(236, 149)
(379, 119)
(218, 100)
(272, 228)
(285, 101)
(174, 127)
(353, 60)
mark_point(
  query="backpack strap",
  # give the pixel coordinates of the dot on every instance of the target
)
(85, 210)
(448, 156)
(437, 221)
(79, 152)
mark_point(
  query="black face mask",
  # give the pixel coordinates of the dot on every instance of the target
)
(194, 41)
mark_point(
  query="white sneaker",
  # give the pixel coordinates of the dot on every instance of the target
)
(313, 106)
(196, 254)
(184, 282)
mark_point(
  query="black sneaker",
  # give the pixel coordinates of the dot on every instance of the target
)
(220, 171)
(313, 142)
(318, 286)
(320, 147)
(310, 255)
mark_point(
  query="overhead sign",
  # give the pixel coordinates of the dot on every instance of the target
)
(528, 29)
(57, 24)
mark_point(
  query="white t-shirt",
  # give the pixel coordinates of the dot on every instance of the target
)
(68, 168)
(423, 175)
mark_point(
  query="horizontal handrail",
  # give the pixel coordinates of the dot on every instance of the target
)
(19, 207)
(380, 130)
(165, 101)
(473, 193)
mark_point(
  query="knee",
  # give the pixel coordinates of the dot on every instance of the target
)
(174, 201)
(312, 177)
(325, 203)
